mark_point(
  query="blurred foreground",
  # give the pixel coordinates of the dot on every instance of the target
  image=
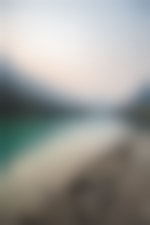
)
(90, 172)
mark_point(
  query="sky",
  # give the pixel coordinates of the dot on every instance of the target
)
(92, 50)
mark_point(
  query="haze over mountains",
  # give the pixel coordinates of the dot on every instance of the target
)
(24, 96)
(21, 95)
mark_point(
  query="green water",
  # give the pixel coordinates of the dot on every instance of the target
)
(16, 134)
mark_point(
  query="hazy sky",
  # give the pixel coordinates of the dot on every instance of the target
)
(91, 49)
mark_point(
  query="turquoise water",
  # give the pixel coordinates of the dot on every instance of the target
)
(20, 132)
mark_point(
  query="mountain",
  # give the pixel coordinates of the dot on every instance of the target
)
(143, 97)
(138, 111)
(18, 96)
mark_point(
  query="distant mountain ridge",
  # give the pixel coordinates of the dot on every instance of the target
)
(20, 96)
(143, 96)
(138, 111)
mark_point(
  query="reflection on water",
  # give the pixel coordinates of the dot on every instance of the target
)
(18, 133)
(77, 170)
